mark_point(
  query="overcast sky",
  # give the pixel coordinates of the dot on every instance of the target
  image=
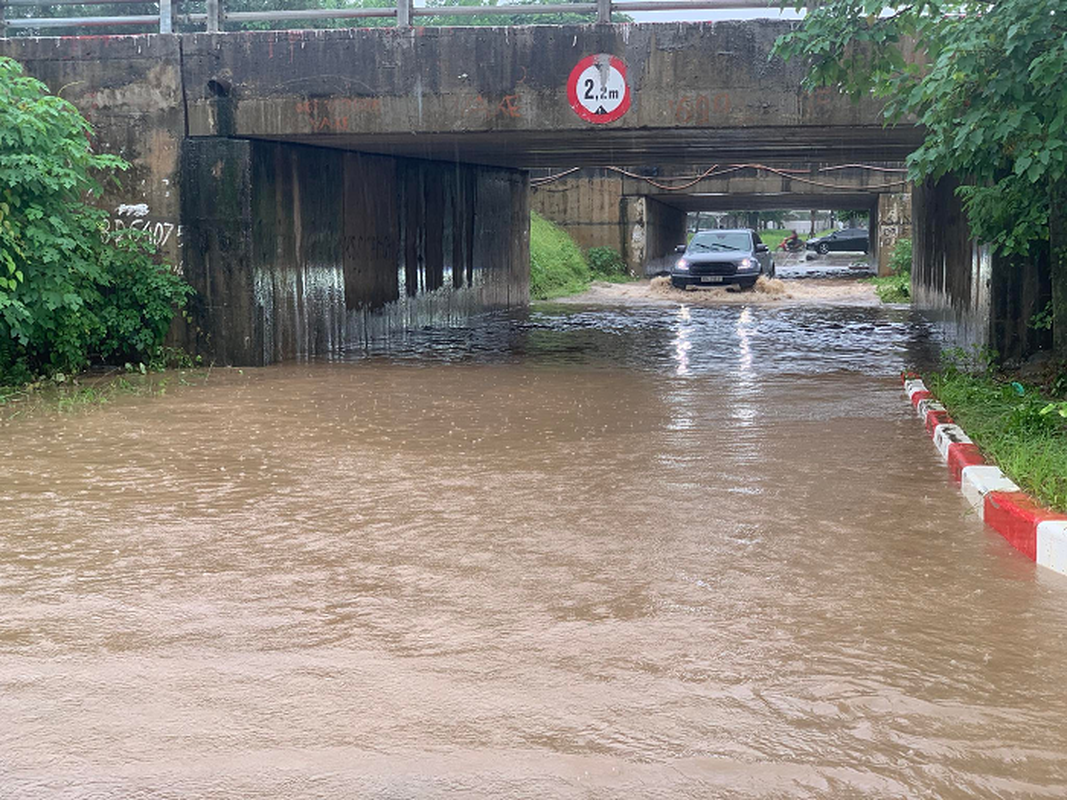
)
(683, 16)
(688, 16)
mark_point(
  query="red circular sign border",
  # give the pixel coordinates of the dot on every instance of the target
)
(582, 111)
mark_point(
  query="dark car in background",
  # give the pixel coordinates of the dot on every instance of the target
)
(727, 257)
(849, 240)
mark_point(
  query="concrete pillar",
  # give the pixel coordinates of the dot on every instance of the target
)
(633, 230)
(299, 251)
(665, 231)
(216, 213)
(893, 223)
(872, 234)
(653, 230)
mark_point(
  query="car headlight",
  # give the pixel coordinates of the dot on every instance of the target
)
(747, 263)
(682, 265)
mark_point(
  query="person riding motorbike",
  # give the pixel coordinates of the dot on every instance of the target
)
(792, 243)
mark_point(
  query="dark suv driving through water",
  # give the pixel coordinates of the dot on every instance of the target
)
(717, 258)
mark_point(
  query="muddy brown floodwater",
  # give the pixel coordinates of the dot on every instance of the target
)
(644, 552)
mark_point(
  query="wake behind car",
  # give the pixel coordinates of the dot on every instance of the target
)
(849, 240)
(717, 258)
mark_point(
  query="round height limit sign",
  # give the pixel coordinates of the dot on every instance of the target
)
(597, 89)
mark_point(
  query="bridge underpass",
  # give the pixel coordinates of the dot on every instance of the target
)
(321, 187)
(642, 212)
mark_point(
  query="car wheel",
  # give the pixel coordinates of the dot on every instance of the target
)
(677, 284)
(822, 249)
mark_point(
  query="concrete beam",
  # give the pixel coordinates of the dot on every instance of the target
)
(499, 96)
(358, 83)
(750, 178)
(769, 202)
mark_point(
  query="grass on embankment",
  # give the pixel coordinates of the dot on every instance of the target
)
(1024, 434)
(559, 268)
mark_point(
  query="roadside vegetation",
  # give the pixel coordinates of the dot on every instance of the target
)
(67, 395)
(896, 287)
(558, 267)
(1021, 427)
(71, 294)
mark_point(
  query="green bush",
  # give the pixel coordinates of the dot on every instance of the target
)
(607, 264)
(68, 291)
(900, 261)
(892, 288)
(136, 302)
(557, 266)
(896, 287)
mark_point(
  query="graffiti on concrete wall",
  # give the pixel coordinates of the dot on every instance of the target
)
(700, 109)
(329, 114)
(479, 107)
(137, 217)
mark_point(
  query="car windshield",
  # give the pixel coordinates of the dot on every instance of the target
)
(718, 241)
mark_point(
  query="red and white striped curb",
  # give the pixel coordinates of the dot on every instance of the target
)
(1037, 532)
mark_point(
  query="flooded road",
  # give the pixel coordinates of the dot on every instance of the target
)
(651, 552)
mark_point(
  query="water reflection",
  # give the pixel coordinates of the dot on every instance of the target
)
(682, 344)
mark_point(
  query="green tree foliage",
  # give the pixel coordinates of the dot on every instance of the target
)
(68, 291)
(985, 80)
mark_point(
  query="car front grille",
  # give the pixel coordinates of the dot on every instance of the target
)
(717, 268)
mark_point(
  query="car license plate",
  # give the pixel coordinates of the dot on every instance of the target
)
(711, 278)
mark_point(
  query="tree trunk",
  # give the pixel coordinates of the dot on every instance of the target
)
(1058, 262)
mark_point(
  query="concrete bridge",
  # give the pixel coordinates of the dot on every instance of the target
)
(642, 212)
(321, 187)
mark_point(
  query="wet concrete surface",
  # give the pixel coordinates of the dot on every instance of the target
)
(588, 552)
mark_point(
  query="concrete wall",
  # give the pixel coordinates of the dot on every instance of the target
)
(594, 211)
(299, 251)
(327, 83)
(973, 297)
(130, 90)
(889, 223)
(664, 230)
(589, 208)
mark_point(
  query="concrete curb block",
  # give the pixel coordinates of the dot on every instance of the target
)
(947, 435)
(977, 482)
(1037, 532)
(1052, 545)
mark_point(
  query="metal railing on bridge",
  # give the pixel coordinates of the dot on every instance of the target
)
(215, 17)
